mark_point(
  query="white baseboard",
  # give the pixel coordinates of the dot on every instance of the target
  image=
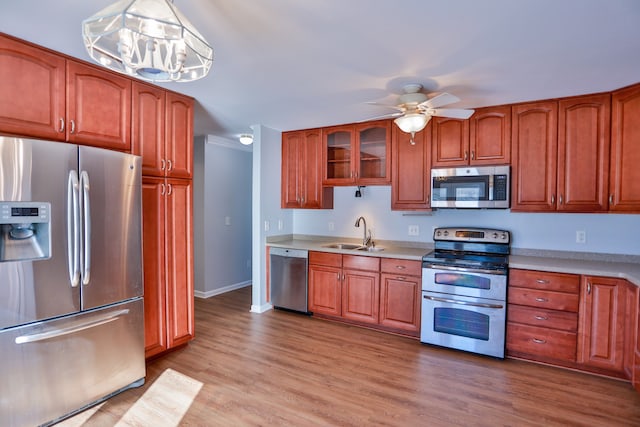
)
(261, 308)
(214, 292)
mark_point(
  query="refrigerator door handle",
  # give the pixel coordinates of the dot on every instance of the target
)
(86, 229)
(55, 333)
(73, 230)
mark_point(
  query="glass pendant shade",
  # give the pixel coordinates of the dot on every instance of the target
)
(412, 122)
(149, 39)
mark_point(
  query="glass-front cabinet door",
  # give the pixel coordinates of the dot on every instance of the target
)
(339, 152)
(374, 146)
(358, 154)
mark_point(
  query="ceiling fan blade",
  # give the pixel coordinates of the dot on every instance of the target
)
(395, 107)
(386, 116)
(440, 100)
(454, 113)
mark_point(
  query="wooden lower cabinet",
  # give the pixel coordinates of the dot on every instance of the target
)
(351, 288)
(584, 322)
(168, 270)
(602, 320)
(542, 317)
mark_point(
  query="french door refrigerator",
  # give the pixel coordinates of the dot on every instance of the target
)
(71, 308)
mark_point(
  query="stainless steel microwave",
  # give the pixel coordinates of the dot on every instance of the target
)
(470, 187)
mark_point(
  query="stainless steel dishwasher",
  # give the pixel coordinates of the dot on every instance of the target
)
(288, 278)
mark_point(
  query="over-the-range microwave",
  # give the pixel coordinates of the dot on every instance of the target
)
(470, 187)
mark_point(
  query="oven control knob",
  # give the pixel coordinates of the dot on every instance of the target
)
(495, 235)
(446, 233)
(438, 233)
(503, 236)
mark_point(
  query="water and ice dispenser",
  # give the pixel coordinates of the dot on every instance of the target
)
(25, 231)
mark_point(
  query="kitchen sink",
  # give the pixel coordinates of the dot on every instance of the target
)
(371, 249)
(348, 246)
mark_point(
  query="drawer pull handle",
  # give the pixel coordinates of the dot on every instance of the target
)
(542, 318)
(540, 299)
(401, 278)
(400, 267)
(538, 341)
(542, 281)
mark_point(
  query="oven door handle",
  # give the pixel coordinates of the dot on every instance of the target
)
(453, 301)
(464, 269)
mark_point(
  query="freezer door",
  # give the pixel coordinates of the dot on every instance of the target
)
(111, 254)
(38, 171)
(52, 368)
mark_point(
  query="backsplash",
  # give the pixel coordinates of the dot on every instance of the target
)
(601, 233)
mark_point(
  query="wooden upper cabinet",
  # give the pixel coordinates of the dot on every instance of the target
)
(357, 154)
(302, 171)
(179, 135)
(292, 145)
(625, 150)
(601, 328)
(534, 148)
(147, 127)
(410, 170)
(162, 131)
(32, 91)
(98, 107)
(450, 142)
(583, 153)
(490, 136)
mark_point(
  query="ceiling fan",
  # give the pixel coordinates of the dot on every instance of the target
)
(415, 109)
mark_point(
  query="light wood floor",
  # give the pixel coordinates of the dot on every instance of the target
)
(280, 368)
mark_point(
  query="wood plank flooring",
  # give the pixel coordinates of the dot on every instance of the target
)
(281, 368)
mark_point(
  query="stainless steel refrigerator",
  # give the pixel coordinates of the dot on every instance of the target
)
(71, 308)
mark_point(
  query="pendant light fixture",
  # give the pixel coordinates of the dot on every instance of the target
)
(149, 39)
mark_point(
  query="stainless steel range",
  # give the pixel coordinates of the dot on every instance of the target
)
(464, 290)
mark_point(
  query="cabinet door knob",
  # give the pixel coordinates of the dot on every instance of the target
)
(589, 288)
(163, 164)
(170, 165)
(553, 199)
(162, 189)
(73, 126)
(560, 199)
(466, 155)
(61, 128)
(610, 199)
(538, 341)
(170, 187)
(473, 154)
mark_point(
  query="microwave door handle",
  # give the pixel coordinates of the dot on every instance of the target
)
(73, 229)
(86, 223)
(472, 304)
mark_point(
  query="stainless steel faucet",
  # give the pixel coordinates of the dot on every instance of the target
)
(366, 238)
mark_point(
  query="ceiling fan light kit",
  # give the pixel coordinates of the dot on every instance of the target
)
(415, 109)
(148, 39)
(246, 139)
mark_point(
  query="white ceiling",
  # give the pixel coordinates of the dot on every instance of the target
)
(295, 64)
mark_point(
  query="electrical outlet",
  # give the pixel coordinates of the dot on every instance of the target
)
(581, 236)
(414, 230)
(332, 226)
(280, 225)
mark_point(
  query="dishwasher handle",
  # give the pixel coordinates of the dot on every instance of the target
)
(289, 253)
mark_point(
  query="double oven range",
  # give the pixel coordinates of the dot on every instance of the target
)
(464, 290)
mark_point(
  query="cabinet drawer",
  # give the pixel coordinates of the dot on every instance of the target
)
(562, 320)
(545, 280)
(543, 299)
(541, 342)
(325, 258)
(401, 266)
(359, 262)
